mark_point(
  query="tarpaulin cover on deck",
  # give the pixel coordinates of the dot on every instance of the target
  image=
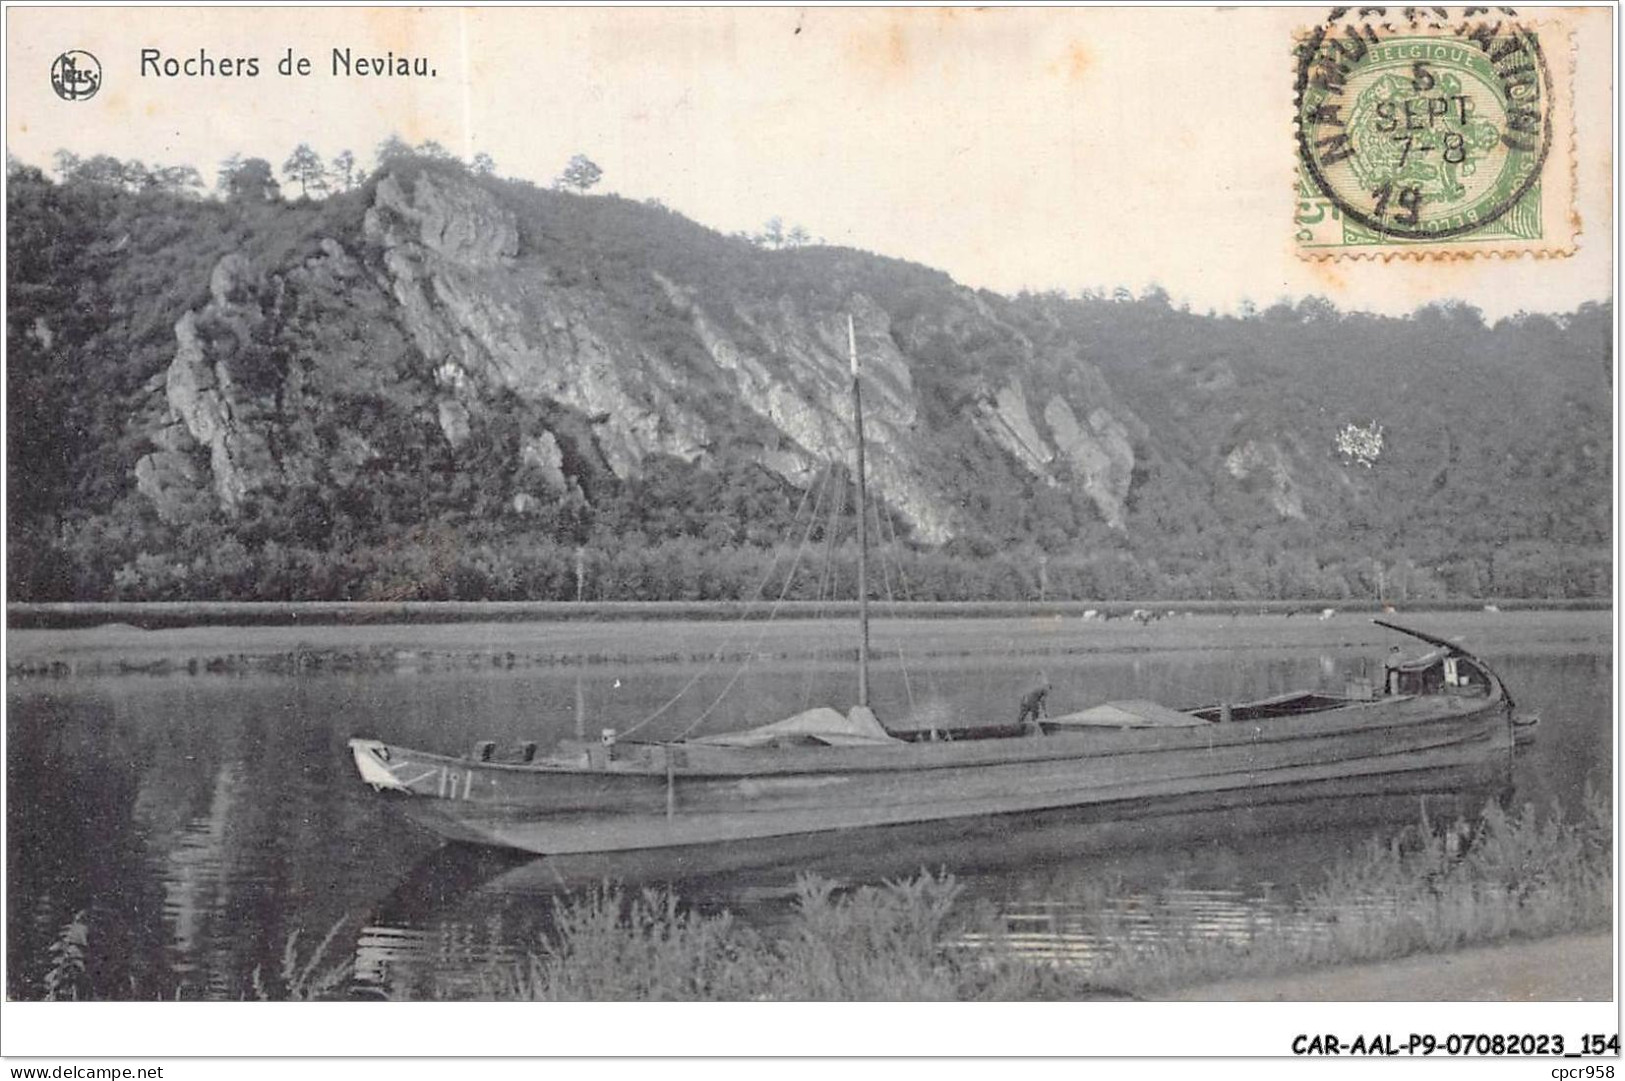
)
(1418, 664)
(1131, 714)
(824, 725)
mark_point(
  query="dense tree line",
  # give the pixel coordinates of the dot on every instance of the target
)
(441, 564)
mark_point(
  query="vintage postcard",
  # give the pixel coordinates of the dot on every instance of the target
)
(1103, 509)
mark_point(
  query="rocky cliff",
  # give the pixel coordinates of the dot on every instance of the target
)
(447, 385)
(669, 365)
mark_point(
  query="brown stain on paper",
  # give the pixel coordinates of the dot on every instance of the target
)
(1074, 65)
(1325, 272)
(960, 46)
(400, 30)
(117, 102)
(897, 44)
(882, 53)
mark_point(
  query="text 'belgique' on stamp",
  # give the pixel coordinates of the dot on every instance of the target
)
(1428, 135)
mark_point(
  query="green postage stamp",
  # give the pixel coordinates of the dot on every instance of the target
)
(1428, 135)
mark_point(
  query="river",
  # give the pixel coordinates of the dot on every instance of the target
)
(201, 820)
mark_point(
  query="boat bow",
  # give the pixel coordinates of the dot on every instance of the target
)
(372, 762)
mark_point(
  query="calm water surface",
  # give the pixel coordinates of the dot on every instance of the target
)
(200, 821)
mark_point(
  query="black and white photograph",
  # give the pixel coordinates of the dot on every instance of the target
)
(1107, 509)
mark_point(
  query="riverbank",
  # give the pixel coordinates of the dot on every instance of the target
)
(122, 648)
(1512, 906)
(1515, 905)
(1564, 968)
(1426, 891)
(152, 615)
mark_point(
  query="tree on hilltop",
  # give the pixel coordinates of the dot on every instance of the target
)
(225, 170)
(775, 236)
(132, 176)
(179, 179)
(304, 167)
(64, 163)
(248, 180)
(390, 149)
(103, 169)
(342, 171)
(772, 234)
(581, 174)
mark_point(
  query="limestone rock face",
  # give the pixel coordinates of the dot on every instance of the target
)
(796, 378)
(543, 456)
(1100, 453)
(209, 405)
(1006, 421)
(1097, 455)
(464, 320)
(234, 414)
(483, 321)
(1261, 464)
(459, 223)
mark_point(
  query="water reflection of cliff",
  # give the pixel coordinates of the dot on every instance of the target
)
(263, 855)
(199, 825)
(74, 844)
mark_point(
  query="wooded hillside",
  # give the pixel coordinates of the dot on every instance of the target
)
(443, 384)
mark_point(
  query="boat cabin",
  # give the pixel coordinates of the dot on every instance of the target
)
(1439, 672)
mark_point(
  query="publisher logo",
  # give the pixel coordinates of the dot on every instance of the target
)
(76, 75)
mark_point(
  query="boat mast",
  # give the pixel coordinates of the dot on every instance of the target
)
(863, 526)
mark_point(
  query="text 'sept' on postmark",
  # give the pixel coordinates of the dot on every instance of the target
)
(1424, 134)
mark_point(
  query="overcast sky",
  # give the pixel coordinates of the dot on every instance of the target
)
(1012, 148)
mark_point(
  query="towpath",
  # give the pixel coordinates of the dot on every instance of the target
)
(1565, 968)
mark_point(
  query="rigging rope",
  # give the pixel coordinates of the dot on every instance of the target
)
(902, 582)
(891, 599)
(751, 656)
(745, 614)
(825, 590)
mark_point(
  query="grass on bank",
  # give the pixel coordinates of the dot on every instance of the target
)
(1426, 889)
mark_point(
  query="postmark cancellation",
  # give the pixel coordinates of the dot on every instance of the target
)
(1424, 134)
